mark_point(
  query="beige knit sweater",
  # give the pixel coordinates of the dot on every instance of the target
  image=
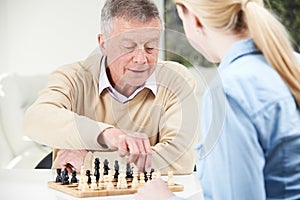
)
(70, 114)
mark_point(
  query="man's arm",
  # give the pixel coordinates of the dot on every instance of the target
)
(180, 123)
(52, 121)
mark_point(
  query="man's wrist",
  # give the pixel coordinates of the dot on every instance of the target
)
(108, 138)
(101, 138)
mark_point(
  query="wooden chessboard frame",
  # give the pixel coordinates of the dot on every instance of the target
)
(72, 189)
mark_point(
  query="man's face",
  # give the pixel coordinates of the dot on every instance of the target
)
(132, 51)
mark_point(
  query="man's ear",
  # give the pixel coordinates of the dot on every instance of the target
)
(101, 43)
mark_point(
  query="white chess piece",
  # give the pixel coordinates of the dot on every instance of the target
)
(122, 182)
(135, 181)
(154, 176)
(170, 178)
(85, 185)
(93, 183)
(142, 180)
(110, 185)
(81, 179)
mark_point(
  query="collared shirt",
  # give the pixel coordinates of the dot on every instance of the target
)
(105, 84)
(256, 152)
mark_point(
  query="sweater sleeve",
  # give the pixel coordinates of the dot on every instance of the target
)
(52, 121)
(179, 124)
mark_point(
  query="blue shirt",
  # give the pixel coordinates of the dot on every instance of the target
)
(251, 149)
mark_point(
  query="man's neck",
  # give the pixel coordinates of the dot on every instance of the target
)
(121, 87)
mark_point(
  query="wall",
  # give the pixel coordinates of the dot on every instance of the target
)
(37, 36)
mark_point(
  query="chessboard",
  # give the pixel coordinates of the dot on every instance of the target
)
(104, 183)
(72, 189)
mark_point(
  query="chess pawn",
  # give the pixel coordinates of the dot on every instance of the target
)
(170, 178)
(74, 179)
(110, 185)
(135, 181)
(142, 179)
(122, 182)
(88, 174)
(85, 185)
(101, 180)
(154, 176)
(106, 178)
(94, 182)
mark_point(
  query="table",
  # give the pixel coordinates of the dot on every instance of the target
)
(18, 184)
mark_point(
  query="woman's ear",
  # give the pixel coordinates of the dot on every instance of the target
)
(185, 14)
(180, 8)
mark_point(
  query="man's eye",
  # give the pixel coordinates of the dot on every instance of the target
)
(129, 48)
(149, 49)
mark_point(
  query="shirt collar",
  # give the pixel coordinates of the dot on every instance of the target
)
(237, 50)
(105, 84)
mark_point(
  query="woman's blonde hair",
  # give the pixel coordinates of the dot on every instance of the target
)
(269, 35)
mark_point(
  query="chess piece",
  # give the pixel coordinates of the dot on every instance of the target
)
(81, 179)
(142, 179)
(170, 178)
(117, 167)
(74, 179)
(65, 177)
(106, 167)
(151, 172)
(105, 181)
(128, 171)
(97, 167)
(145, 176)
(153, 176)
(58, 177)
(93, 183)
(122, 182)
(88, 174)
(110, 185)
(135, 181)
(85, 185)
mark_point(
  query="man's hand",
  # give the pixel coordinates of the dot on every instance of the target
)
(134, 145)
(156, 189)
(70, 159)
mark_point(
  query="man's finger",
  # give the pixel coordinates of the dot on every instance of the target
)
(122, 146)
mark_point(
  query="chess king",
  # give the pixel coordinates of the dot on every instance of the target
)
(121, 99)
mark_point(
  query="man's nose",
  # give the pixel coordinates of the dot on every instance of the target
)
(140, 56)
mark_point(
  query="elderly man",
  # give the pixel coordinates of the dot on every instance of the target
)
(123, 100)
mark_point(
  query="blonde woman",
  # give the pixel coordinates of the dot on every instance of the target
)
(257, 155)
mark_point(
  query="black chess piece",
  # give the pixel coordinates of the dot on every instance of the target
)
(88, 174)
(97, 166)
(65, 177)
(152, 170)
(58, 177)
(145, 176)
(74, 179)
(105, 167)
(129, 172)
(117, 168)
